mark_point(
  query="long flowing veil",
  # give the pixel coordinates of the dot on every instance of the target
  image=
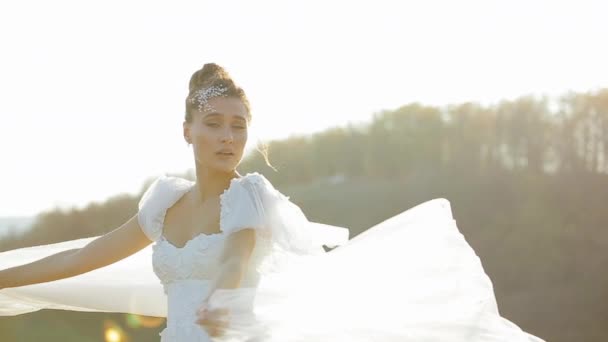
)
(129, 285)
(412, 277)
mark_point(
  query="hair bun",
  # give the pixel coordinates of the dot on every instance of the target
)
(212, 78)
(209, 74)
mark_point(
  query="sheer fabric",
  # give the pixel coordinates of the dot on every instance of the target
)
(412, 277)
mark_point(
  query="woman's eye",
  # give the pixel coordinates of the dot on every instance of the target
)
(215, 124)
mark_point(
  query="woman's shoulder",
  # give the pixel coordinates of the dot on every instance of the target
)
(257, 182)
(161, 194)
(255, 178)
(165, 185)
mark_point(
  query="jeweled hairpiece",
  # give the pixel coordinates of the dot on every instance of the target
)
(203, 95)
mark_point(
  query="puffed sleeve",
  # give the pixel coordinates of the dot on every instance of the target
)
(153, 205)
(281, 227)
(242, 206)
(149, 205)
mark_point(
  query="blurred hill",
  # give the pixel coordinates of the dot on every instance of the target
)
(527, 181)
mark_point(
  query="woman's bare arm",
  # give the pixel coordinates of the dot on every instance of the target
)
(233, 266)
(233, 261)
(105, 250)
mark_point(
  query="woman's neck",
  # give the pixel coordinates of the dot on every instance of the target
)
(211, 183)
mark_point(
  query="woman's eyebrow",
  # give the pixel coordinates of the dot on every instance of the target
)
(238, 117)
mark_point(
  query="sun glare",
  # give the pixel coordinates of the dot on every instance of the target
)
(113, 335)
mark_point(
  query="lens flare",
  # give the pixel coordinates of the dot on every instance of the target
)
(113, 332)
(113, 335)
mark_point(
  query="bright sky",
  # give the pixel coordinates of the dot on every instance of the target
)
(92, 93)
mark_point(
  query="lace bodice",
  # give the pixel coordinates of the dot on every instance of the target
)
(185, 272)
(197, 259)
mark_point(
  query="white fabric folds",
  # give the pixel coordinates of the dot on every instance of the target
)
(130, 283)
(412, 277)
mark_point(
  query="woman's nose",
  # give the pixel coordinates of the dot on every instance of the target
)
(227, 135)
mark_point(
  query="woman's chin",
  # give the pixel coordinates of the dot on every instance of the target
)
(225, 166)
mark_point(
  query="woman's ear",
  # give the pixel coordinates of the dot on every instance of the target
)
(186, 127)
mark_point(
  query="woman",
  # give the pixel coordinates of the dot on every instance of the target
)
(238, 261)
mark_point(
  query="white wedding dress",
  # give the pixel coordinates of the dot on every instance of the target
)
(412, 277)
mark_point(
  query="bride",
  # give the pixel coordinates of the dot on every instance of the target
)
(233, 259)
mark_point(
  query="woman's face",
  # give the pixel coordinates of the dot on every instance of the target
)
(219, 127)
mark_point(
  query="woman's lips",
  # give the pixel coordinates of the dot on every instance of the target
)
(226, 155)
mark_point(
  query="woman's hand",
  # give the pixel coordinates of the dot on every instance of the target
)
(214, 321)
(233, 260)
